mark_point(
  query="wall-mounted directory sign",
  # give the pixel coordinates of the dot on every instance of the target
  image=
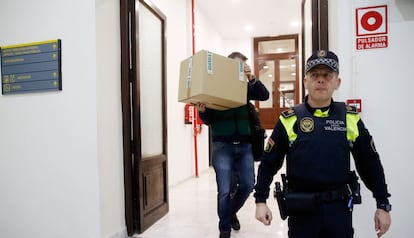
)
(33, 67)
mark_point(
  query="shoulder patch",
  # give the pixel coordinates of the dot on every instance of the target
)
(269, 145)
(288, 113)
(351, 109)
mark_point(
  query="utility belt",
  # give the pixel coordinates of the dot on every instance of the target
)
(294, 203)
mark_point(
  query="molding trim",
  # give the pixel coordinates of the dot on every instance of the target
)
(120, 234)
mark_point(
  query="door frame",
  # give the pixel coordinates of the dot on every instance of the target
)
(269, 116)
(320, 39)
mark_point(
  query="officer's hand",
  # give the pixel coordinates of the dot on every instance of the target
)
(263, 213)
(382, 222)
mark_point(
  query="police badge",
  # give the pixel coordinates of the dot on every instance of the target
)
(307, 125)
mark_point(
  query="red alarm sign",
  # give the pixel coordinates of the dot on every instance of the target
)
(372, 27)
(356, 103)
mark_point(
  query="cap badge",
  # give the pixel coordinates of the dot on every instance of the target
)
(307, 125)
(321, 54)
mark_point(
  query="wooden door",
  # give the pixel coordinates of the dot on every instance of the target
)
(277, 66)
(144, 114)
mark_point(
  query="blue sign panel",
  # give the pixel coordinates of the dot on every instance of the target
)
(31, 67)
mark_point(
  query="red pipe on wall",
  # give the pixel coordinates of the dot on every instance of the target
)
(192, 27)
(196, 126)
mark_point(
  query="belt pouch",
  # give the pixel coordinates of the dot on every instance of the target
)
(299, 203)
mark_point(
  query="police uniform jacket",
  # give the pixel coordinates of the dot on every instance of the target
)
(317, 144)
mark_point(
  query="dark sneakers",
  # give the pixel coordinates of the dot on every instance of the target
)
(235, 224)
(225, 234)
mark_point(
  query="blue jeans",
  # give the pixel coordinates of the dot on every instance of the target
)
(232, 159)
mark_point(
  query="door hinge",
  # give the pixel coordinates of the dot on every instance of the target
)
(133, 150)
(131, 4)
(130, 75)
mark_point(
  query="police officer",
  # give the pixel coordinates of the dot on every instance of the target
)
(317, 138)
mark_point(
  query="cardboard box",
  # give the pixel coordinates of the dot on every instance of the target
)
(215, 80)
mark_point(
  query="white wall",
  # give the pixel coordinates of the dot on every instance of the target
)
(206, 35)
(48, 158)
(109, 119)
(382, 78)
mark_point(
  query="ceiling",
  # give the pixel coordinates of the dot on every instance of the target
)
(265, 17)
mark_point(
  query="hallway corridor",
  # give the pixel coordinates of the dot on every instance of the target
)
(193, 214)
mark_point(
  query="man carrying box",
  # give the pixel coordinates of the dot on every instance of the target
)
(232, 150)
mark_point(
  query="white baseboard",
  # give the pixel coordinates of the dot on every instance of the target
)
(120, 234)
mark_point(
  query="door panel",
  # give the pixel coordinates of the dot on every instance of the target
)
(287, 84)
(154, 193)
(144, 114)
(150, 82)
(268, 76)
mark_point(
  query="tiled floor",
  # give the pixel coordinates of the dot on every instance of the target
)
(193, 214)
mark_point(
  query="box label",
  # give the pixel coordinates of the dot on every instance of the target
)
(190, 68)
(209, 62)
(241, 71)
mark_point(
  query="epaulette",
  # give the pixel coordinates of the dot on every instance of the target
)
(288, 113)
(351, 109)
